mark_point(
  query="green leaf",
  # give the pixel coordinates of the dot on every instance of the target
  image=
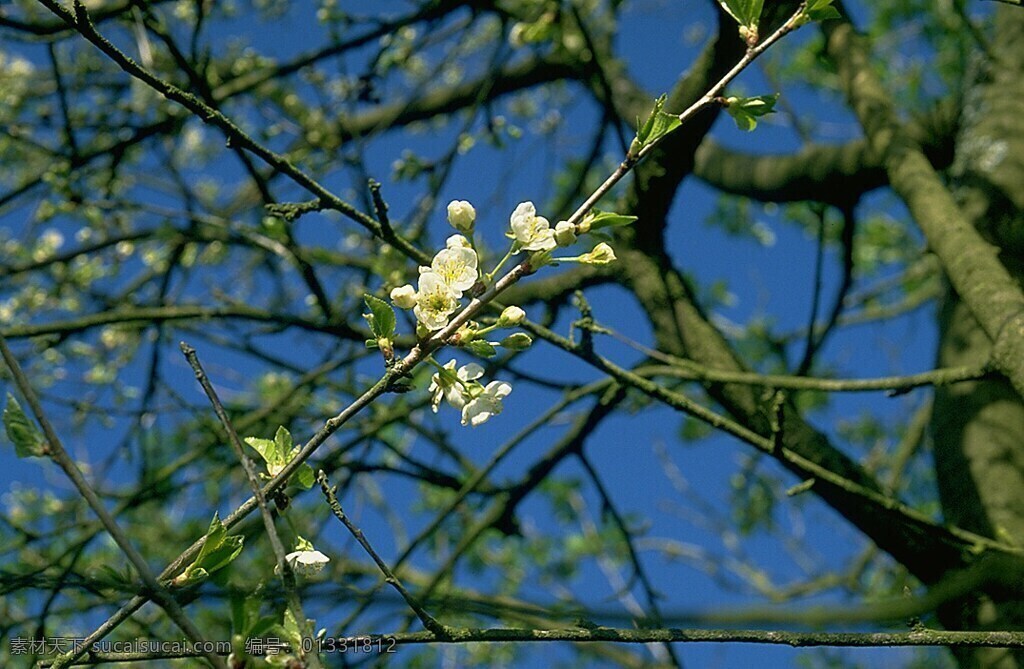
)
(657, 125)
(746, 111)
(481, 348)
(242, 612)
(517, 341)
(275, 453)
(693, 430)
(218, 551)
(224, 554)
(448, 376)
(266, 448)
(283, 440)
(381, 317)
(292, 630)
(744, 121)
(303, 477)
(746, 12)
(664, 123)
(607, 219)
(643, 130)
(214, 538)
(23, 433)
(822, 10)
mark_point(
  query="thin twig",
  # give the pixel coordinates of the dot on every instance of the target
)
(285, 569)
(380, 209)
(438, 630)
(811, 344)
(682, 368)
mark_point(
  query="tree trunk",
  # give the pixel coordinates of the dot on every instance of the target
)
(978, 427)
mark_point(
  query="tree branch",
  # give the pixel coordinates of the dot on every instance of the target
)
(972, 264)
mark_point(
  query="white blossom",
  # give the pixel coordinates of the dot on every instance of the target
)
(52, 239)
(48, 243)
(308, 562)
(488, 403)
(461, 215)
(451, 390)
(435, 301)
(404, 297)
(456, 266)
(533, 232)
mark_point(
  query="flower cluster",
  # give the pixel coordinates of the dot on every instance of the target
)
(452, 272)
(455, 272)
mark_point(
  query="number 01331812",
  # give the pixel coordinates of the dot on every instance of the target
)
(361, 644)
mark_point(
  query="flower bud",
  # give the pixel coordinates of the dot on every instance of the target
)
(565, 233)
(601, 255)
(461, 215)
(538, 259)
(457, 242)
(511, 317)
(404, 297)
(519, 341)
(465, 334)
(749, 35)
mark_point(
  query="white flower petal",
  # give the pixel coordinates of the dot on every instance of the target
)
(307, 563)
(439, 386)
(499, 390)
(487, 404)
(435, 301)
(471, 372)
(457, 267)
(533, 232)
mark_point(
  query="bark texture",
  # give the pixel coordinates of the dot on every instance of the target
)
(978, 427)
